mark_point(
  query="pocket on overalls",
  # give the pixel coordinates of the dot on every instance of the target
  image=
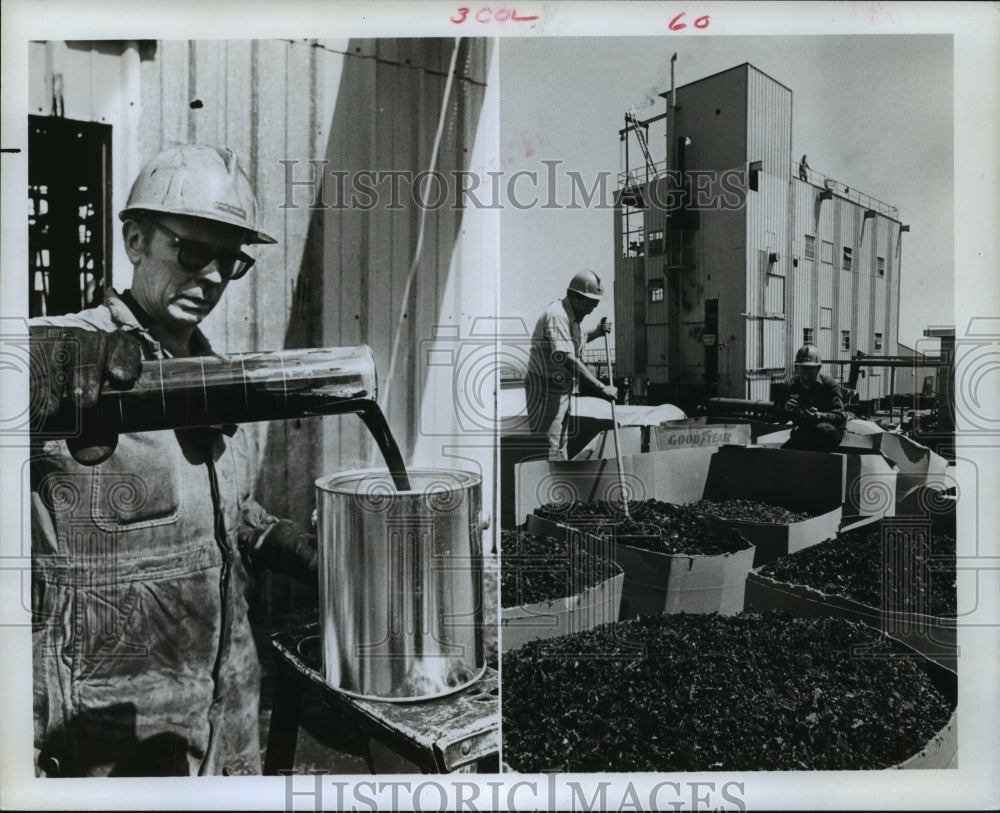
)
(107, 627)
(139, 487)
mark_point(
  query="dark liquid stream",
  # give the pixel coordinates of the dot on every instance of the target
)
(378, 426)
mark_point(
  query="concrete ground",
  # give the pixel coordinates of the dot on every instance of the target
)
(325, 743)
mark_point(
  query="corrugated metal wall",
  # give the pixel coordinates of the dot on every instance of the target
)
(336, 275)
(712, 113)
(625, 304)
(845, 316)
(881, 284)
(861, 301)
(769, 133)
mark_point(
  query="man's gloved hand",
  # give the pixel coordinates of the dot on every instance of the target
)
(69, 367)
(604, 326)
(287, 548)
(791, 405)
(609, 392)
(808, 416)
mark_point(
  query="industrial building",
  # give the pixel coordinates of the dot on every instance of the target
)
(731, 253)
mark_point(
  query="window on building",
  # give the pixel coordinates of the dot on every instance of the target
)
(827, 255)
(845, 340)
(878, 342)
(809, 252)
(808, 335)
(826, 318)
(756, 167)
(880, 266)
(848, 258)
(655, 242)
(656, 290)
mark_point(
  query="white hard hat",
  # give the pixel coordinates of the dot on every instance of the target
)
(586, 283)
(807, 356)
(197, 180)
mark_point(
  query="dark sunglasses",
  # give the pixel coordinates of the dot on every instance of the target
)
(193, 256)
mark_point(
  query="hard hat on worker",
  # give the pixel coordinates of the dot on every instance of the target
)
(807, 356)
(586, 283)
(197, 180)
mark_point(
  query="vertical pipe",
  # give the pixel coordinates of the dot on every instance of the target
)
(892, 390)
(628, 168)
(673, 87)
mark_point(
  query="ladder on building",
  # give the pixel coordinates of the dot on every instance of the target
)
(630, 118)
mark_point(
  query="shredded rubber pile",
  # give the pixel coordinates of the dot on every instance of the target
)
(749, 511)
(900, 574)
(652, 525)
(757, 691)
(538, 568)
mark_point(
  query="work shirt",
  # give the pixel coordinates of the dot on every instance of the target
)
(556, 336)
(550, 381)
(144, 661)
(824, 396)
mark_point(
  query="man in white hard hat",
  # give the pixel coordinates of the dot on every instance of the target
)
(144, 661)
(815, 405)
(555, 364)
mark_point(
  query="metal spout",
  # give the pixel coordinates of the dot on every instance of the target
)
(216, 390)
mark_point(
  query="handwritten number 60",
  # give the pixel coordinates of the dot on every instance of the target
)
(677, 25)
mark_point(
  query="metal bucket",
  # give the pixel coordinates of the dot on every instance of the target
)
(401, 611)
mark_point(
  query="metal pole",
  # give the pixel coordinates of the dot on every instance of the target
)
(673, 87)
(892, 391)
(614, 422)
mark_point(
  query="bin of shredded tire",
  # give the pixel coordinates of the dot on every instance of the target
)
(898, 578)
(554, 585)
(756, 691)
(772, 529)
(676, 560)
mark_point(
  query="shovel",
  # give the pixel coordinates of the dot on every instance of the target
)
(614, 423)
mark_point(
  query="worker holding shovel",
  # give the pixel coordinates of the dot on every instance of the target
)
(555, 365)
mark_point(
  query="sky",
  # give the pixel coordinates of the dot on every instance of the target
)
(874, 111)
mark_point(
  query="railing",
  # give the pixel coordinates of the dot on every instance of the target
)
(842, 190)
(593, 356)
(636, 176)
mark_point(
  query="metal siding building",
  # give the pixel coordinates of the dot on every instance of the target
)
(750, 262)
(337, 275)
